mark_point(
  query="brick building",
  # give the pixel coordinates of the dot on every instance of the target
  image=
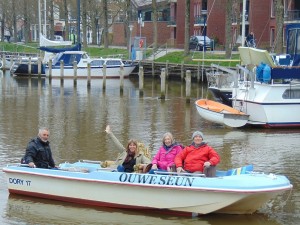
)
(207, 17)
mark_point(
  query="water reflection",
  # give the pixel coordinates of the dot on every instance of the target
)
(38, 211)
(77, 117)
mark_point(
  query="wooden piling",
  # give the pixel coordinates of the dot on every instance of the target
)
(163, 83)
(198, 72)
(3, 62)
(75, 73)
(167, 68)
(141, 80)
(39, 66)
(104, 77)
(61, 69)
(153, 68)
(122, 79)
(89, 75)
(50, 69)
(29, 66)
(188, 78)
(182, 71)
(61, 72)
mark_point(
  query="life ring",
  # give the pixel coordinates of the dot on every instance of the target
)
(141, 43)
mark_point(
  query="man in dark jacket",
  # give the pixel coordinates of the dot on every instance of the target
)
(38, 152)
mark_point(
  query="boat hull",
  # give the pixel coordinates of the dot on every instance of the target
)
(23, 71)
(179, 194)
(220, 113)
(267, 107)
(95, 72)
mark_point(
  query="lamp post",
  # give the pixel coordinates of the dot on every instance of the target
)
(130, 28)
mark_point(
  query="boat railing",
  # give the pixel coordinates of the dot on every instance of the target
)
(90, 161)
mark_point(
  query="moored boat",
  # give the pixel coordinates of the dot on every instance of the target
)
(221, 113)
(238, 191)
(115, 67)
(271, 94)
(267, 87)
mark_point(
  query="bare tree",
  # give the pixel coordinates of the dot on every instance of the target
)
(237, 15)
(84, 23)
(105, 25)
(279, 26)
(127, 20)
(154, 8)
(26, 21)
(51, 18)
(228, 41)
(187, 27)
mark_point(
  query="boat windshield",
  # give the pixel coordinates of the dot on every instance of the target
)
(112, 62)
(97, 62)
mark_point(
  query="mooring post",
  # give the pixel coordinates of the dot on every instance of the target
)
(141, 80)
(104, 77)
(122, 79)
(163, 83)
(39, 66)
(50, 68)
(3, 62)
(182, 71)
(167, 68)
(198, 72)
(89, 75)
(61, 69)
(153, 68)
(75, 72)
(29, 66)
(188, 86)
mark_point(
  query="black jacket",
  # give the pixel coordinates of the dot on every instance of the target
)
(40, 153)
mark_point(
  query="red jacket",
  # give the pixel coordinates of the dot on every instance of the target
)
(192, 158)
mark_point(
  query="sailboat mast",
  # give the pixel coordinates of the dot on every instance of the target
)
(78, 22)
(40, 24)
(45, 19)
(243, 22)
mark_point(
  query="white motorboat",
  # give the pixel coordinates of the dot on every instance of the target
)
(236, 191)
(63, 66)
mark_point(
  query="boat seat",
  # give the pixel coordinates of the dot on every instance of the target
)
(213, 108)
(241, 170)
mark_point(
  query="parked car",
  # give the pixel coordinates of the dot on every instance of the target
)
(197, 43)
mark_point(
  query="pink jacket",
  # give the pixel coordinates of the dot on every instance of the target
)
(164, 158)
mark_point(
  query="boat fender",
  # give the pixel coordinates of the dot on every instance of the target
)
(259, 72)
(267, 74)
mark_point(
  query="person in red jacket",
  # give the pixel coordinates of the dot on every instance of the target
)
(198, 157)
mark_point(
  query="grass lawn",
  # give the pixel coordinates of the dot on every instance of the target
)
(172, 57)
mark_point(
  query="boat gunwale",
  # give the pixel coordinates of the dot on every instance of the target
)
(146, 185)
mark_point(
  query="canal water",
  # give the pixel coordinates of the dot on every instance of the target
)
(77, 117)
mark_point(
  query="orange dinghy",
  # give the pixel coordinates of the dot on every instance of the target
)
(220, 113)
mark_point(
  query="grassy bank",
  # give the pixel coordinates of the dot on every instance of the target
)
(172, 57)
(199, 57)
